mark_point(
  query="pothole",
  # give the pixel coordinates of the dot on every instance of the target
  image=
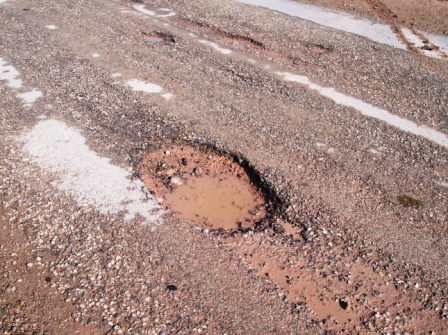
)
(158, 38)
(204, 187)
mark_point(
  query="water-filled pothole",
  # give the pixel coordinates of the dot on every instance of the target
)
(203, 187)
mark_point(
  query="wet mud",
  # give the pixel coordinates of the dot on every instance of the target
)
(204, 188)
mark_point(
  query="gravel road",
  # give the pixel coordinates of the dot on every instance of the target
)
(349, 138)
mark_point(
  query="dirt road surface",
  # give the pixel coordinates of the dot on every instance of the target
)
(346, 137)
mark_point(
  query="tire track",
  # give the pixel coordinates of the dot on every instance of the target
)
(390, 18)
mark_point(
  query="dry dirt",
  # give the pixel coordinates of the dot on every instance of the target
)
(426, 15)
(30, 302)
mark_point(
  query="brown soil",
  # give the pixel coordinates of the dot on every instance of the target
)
(345, 296)
(203, 187)
(29, 301)
(429, 15)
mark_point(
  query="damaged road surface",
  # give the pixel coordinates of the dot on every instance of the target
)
(220, 167)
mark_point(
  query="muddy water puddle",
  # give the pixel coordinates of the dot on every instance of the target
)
(203, 187)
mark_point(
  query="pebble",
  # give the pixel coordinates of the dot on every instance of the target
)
(197, 171)
(176, 181)
(30, 265)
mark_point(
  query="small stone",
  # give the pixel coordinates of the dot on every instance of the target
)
(176, 181)
(197, 171)
(169, 172)
(344, 304)
(171, 287)
(167, 152)
(30, 265)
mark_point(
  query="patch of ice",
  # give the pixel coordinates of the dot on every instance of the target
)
(216, 47)
(28, 98)
(375, 31)
(51, 26)
(10, 74)
(167, 96)
(139, 85)
(370, 110)
(89, 178)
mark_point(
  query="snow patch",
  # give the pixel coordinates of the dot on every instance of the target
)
(370, 110)
(167, 96)
(10, 74)
(95, 55)
(51, 27)
(439, 40)
(28, 98)
(92, 180)
(375, 152)
(418, 43)
(143, 10)
(139, 85)
(216, 47)
(375, 31)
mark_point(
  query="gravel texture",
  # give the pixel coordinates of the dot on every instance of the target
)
(366, 202)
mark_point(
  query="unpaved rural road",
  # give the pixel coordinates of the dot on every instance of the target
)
(347, 135)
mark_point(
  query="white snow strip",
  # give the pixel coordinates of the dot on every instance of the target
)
(418, 43)
(438, 40)
(369, 110)
(375, 31)
(216, 47)
(116, 74)
(28, 98)
(139, 85)
(412, 38)
(10, 74)
(89, 178)
(51, 26)
(95, 55)
(167, 96)
(143, 10)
